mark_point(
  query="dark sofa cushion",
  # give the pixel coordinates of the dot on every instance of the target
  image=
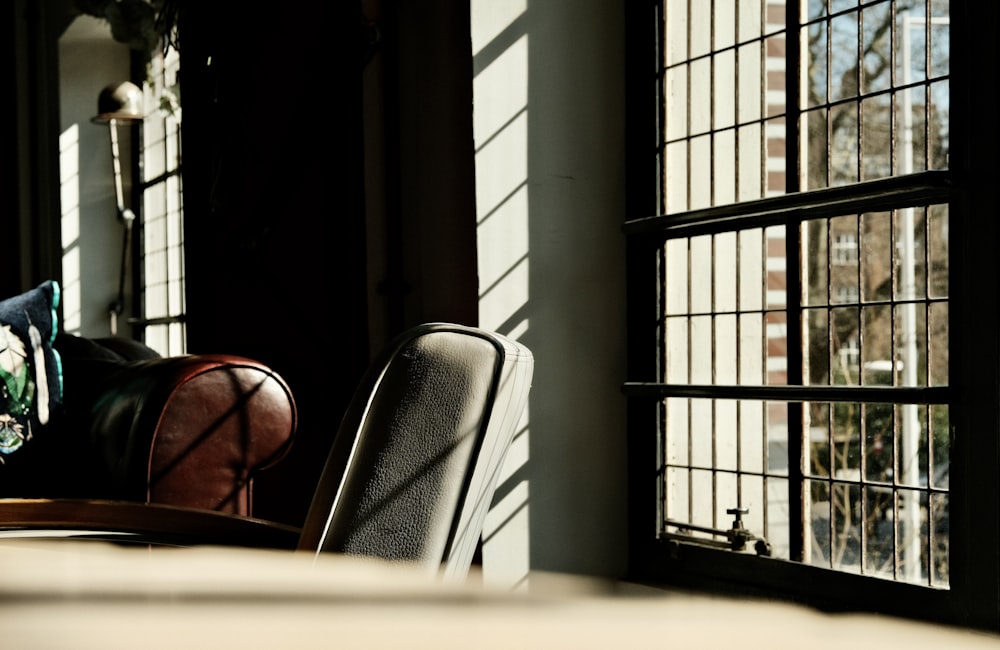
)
(61, 460)
(88, 365)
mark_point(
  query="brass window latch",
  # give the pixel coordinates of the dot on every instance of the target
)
(737, 537)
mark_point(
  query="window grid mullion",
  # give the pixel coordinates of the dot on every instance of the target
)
(689, 405)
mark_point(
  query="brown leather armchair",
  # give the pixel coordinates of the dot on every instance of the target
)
(189, 431)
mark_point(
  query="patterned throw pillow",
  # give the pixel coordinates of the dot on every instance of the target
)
(30, 369)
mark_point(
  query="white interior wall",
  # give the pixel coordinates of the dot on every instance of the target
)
(549, 138)
(89, 60)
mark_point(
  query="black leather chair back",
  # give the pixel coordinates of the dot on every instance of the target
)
(416, 460)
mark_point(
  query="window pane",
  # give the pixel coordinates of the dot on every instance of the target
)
(675, 188)
(843, 144)
(751, 350)
(701, 350)
(750, 83)
(843, 56)
(937, 244)
(814, 46)
(878, 364)
(777, 349)
(701, 28)
(749, 19)
(815, 8)
(725, 25)
(777, 268)
(938, 539)
(777, 438)
(877, 47)
(818, 441)
(876, 256)
(700, 179)
(726, 444)
(676, 96)
(675, 261)
(702, 498)
(844, 547)
(911, 532)
(879, 556)
(678, 495)
(816, 341)
(751, 268)
(937, 120)
(911, 344)
(676, 37)
(778, 518)
(724, 89)
(814, 129)
(937, 344)
(876, 137)
(879, 451)
(940, 463)
(939, 49)
(701, 274)
(912, 116)
(777, 170)
(750, 162)
(910, 227)
(725, 350)
(863, 302)
(815, 264)
(701, 96)
(725, 270)
(678, 423)
(911, 29)
(751, 415)
(846, 450)
(677, 344)
(724, 172)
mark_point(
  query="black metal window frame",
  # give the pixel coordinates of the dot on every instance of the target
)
(972, 597)
(158, 271)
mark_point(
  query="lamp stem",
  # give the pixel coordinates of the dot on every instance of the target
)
(127, 217)
(117, 166)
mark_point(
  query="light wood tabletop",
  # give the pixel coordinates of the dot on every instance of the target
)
(86, 594)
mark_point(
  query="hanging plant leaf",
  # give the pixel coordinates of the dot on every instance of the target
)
(143, 25)
(133, 22)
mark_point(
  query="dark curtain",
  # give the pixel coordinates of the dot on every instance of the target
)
(274, 210)
(29, 220)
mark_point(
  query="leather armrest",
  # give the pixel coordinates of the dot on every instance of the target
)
(192, 431)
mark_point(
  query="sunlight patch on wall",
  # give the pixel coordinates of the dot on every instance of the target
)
(69, 196)
(504, 562)
(500, 127)
(491, 17)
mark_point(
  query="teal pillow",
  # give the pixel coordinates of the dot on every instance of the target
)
(30, 368)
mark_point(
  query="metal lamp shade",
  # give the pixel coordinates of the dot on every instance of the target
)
(119, 102)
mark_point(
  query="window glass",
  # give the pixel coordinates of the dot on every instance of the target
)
(795, 350)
